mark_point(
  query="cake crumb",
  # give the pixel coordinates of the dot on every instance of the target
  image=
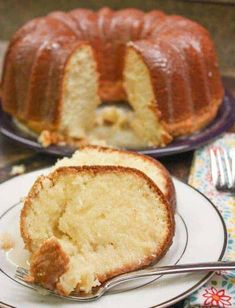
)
(110, 115)
(6, 241)
(45, 138)
(113, 116)
(17, 169)
(22, 199)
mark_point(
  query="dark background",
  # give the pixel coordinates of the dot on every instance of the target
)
(217, 16)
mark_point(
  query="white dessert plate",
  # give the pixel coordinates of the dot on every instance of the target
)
(200, 237)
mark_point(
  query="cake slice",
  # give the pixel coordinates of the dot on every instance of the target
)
(95, 155)
(84, 225)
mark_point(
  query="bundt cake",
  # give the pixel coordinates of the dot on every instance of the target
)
(95, 222)
(93, 155)
(58, 70)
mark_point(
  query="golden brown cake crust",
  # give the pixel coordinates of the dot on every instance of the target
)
(27, 203)
(194, 91)
(170, 188)
(51, 252)
(48, 263)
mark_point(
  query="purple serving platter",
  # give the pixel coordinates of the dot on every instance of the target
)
(223, 121)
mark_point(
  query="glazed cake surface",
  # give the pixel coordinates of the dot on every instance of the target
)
(58, 69)
(96, 222)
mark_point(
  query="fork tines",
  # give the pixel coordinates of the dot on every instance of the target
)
(21, 272)
(221, 169)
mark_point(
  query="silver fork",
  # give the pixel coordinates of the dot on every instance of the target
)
(223, 169)
(21, 275)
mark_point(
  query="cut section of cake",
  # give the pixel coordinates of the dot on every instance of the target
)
(84, 225)
(147, 122)
(80, 93)
(94, 155)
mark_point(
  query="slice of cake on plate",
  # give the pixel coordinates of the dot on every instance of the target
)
(86, 222)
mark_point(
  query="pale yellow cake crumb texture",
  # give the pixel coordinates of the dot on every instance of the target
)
(111, 115)
(106, 222)
(45, 138)
(7, 241)
(92, 156)
(146, 122)
(17, 169)
(80, 93)
(104, 156)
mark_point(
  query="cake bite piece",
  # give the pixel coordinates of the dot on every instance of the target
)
(84, 225)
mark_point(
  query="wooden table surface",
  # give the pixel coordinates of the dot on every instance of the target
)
(12, 153)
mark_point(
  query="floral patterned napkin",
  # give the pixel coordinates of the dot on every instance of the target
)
(220, 290)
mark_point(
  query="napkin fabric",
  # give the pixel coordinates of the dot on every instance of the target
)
(220, 290)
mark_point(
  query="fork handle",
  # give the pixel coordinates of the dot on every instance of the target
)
(172, 269)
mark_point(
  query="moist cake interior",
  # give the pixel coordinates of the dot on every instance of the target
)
(88, 219)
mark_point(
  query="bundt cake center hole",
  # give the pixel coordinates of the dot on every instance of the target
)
(111, 114)
(114, 125)
(120, 104)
